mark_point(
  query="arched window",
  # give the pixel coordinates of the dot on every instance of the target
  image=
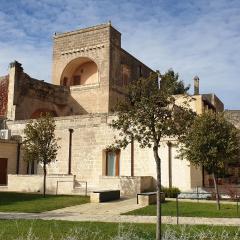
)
(80, 71)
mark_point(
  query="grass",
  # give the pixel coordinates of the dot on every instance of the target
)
(187, 209)
(59, 230)
(36, 203)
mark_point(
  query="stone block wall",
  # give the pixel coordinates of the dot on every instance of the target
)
(124, 68)
(128, 186)
(102, 45)
(91, 44)
(28, 97)
(91, 137)
(34, 183)
(8, 149)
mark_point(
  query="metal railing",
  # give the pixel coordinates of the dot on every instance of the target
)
(237, 197)
(86, 186)
(58, 185)
(60, 181)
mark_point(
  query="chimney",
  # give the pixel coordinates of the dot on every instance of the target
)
(15, 64)
(196, 85)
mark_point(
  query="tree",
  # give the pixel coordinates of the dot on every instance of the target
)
(40, 144)
(211, 142)
(148, 115)
(171, 84)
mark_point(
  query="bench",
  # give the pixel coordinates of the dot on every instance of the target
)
(148, 198)
(104, 196)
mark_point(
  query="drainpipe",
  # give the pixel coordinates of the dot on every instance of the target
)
(132, 157)
(203, 177)
(70, 152)
(18, 157)
(169, 164)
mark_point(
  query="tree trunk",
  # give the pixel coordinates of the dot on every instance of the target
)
(159, 215)
(217, 192)
(44, 179)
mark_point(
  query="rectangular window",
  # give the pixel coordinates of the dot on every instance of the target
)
(112, 163)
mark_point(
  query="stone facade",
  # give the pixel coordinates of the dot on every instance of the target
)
(90, 139)
(55, 184)
(102, 46)
(90, 72)
(28, 97)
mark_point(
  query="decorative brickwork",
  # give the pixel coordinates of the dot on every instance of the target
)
(3, 95)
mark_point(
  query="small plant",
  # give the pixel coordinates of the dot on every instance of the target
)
(171, 192)
(231, 190)
(126, 232)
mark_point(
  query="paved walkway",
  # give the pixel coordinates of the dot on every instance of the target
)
(106, 208)
(110, 212)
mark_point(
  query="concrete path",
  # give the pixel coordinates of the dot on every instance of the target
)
(110, 212)
(106, 208)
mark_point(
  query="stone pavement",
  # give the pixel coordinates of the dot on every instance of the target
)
(106, 208)
(110, 212)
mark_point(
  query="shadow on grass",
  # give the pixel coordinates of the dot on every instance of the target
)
(26, 202)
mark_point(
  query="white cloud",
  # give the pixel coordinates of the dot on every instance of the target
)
(192, 37)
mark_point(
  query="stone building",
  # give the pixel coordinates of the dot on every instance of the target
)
(90, 71)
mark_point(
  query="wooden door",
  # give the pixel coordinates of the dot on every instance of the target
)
(3, 171)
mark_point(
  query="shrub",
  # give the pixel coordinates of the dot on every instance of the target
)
(171, 192)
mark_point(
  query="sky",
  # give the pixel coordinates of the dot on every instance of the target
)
(193, 37)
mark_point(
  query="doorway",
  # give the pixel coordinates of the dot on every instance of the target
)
(3, 171)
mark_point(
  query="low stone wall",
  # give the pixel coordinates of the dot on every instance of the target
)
(128, 186)
(62, 184)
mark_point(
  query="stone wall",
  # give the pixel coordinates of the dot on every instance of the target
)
(34, 183)
(128, 186)
(91, 137)
(98, 46)
(102, 45)
(8, 149)
(28, 97)
(124, 68)
(90, 44)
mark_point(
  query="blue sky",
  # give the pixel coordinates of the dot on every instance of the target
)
(194, 37)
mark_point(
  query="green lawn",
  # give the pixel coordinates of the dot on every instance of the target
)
(59, 230)
(187, 209)
(35, 203)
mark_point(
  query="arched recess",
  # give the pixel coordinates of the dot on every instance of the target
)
(42, 112)
(80, 71)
